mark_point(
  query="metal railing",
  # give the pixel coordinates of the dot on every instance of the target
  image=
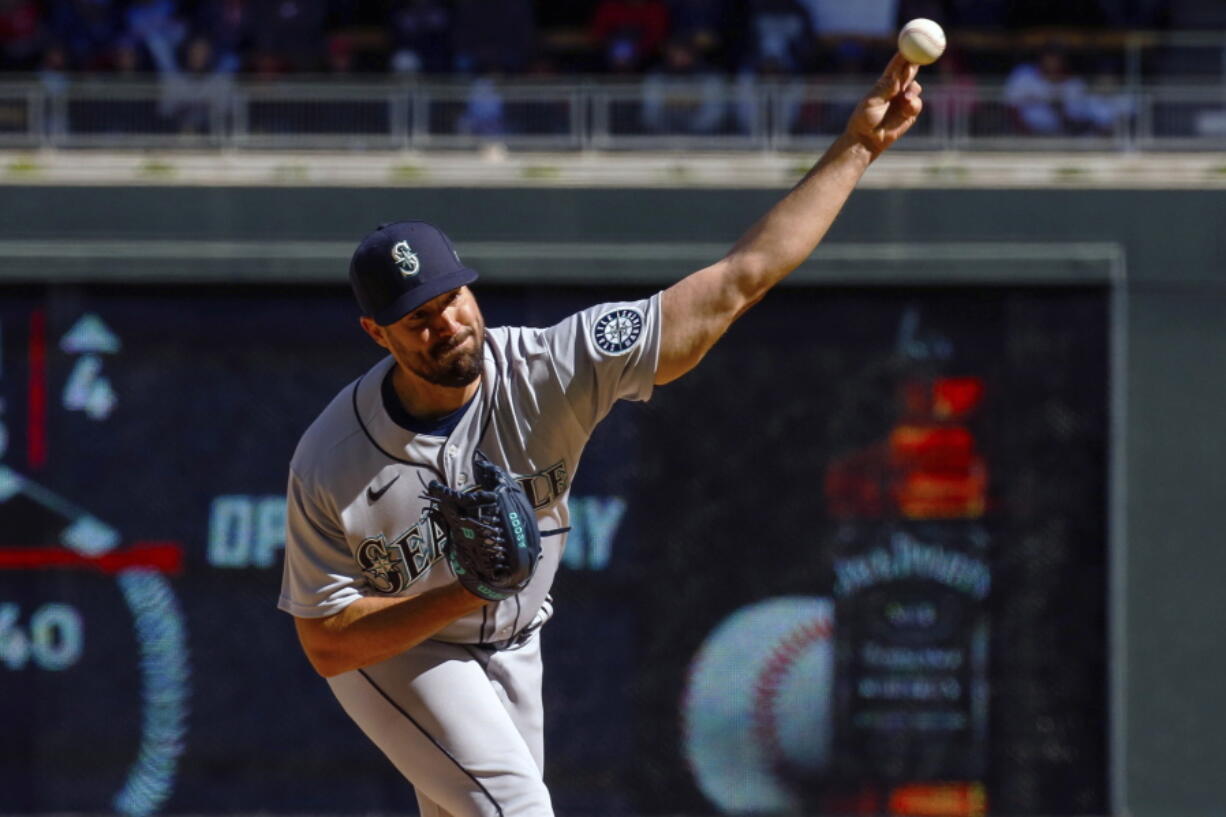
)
(705, 114)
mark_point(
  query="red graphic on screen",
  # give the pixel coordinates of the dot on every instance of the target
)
(160, 557)
(36, 391)
(939, 800)
(927, 467)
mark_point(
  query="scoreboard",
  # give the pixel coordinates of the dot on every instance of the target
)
(145, 437)
(854, 563)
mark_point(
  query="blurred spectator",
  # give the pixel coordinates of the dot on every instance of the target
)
(857, 38)
(752, 115)
(541, 117)
(87, 29)
(228, 25)
(504, 36)
(289, 35)
(340, 60)
(53, 76)
(685, 95)
(126, 59)
(154, 24)
(484, 110)
(781, 35)
(21, 35)
(53, 70)
(1046, 100)
(1107, 103)
(493, 36)
(195, 93)
(953, 94)
(421, 37)
(706, 25)
(629, 33)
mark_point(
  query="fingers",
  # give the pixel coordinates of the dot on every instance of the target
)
(903, 110)
(895, 66)
(887, 85)
(908, 72)
(913, 107)
(909, 104)
(897, 76)
(900, 72)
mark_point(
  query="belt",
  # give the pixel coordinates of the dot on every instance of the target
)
(520, 638)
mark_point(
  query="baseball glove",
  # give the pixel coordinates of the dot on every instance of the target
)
(493, 542)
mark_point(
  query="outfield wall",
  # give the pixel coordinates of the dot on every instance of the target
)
(1157, 253)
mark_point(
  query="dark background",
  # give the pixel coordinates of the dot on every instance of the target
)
(722, 473)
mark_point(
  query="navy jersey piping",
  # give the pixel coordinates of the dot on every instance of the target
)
(357, 415)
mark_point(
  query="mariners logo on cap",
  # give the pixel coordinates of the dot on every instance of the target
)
(617, 331)
(405, 259)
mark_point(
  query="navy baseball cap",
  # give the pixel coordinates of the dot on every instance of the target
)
(400, 266)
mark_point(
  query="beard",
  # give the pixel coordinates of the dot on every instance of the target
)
(451, 369)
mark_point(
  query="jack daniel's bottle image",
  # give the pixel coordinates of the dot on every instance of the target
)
(909, 547)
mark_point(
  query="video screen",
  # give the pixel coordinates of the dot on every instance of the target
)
(854, 563)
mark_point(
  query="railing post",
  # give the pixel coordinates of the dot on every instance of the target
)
(1121, 129)
(56, 125)
(217, 118)
(765, 118)
(1145, 118)
(578, 118)
(239, 116)
(36, 118)
(959, 122)
(398, 116)
(945, 105)
(420, 127)
(773, 115)
(600, 137)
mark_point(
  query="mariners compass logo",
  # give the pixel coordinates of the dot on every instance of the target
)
(405, 259)
(618, 330)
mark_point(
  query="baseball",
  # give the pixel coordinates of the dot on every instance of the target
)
(921, 41)
(758, 698)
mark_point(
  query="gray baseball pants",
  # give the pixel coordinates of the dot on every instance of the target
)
(464, 723)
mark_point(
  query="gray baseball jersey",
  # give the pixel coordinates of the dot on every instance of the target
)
(358, 526)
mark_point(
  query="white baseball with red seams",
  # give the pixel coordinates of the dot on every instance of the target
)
(921, 41)
(757, 706)
(790, 721)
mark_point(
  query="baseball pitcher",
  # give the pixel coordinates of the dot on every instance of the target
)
(428, 501)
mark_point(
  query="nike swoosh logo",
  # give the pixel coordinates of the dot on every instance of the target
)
(372, 496)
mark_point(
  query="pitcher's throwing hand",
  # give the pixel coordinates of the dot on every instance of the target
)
(890, 109)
